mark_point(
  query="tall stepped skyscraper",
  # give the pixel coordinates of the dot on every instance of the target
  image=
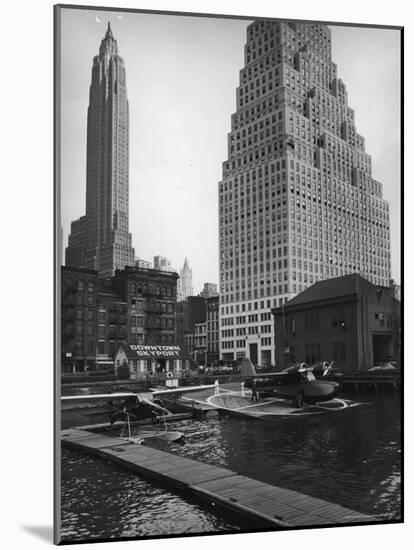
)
(297, 201)
(101, 240)
(185, 282)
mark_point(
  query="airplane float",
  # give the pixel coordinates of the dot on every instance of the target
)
(297, 383)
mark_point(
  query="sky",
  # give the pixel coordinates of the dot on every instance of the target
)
(182, 73)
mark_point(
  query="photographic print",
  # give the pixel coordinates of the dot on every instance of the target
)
(228, 313)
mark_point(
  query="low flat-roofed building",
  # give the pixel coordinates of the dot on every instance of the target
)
(347, 320)
(151, 361)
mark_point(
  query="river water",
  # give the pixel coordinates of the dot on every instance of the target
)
(351, 457)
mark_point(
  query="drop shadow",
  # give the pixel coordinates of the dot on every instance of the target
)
(43, 532)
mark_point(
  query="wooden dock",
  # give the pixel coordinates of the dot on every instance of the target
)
(264, 505)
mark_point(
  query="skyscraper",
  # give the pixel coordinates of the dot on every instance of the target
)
(100, 240)
(297, 200)
(185, 282)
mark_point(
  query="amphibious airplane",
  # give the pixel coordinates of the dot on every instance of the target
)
(134, 406)
(297, 382)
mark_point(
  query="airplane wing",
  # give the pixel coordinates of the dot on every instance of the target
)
(183, 389)
(123, 395)
(266, 375)
(97, 397)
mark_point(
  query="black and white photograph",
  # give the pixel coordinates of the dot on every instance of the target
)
(228, 274)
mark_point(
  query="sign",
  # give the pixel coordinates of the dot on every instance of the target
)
(155, 351)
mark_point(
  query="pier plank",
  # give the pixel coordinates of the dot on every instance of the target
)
(265, 504)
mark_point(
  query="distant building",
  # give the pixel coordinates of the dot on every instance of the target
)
(189, 313)
(139, 262)
(346, 319)
(59, 245)
(185, 282)
(75, 252)
(100, 240)
(161, 263)
(209, 289)
(395, 290)
(200, 343)
(212, 336)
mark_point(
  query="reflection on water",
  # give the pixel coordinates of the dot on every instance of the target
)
(351, 457)
(100, 500)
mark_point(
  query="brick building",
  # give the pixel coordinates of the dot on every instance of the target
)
(136, 306)
(151, 297)
(346, 319)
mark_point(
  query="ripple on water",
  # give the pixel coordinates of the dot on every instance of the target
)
(352, 458)
(110, 502)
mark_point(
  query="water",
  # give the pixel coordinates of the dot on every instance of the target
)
(351, 457)
(101, 500)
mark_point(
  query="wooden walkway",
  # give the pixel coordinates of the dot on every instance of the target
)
(264, 505)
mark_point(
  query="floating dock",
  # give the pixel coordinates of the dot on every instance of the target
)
(264, 505)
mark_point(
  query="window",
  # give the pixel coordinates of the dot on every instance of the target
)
(338, 318)
(339, 353)
(312, 320)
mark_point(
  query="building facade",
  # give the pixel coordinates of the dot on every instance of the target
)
(93, 321)
(151, 361)
(209, 289)
(151, 298)
(189, 313)
(347, 320)
(100, 240)
(140, 262)
(200, 343)
(185, 282)
(161, 263)
(212, 337)
(297, 201)
(136, 306)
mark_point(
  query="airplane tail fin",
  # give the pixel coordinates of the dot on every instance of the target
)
(247, 368)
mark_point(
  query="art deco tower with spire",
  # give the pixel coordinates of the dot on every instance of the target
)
(185, 282)
(101, 240)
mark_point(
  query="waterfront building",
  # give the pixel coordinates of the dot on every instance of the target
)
(78, 318)
(151, 361)
(136, 306)
(151, 297)
(212, 336)
(93, 320)
(209, 289)
(346, 319)
(185, 282)
(297, 201)
(100, 240)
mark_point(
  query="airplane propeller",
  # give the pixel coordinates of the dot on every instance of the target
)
(327, 368)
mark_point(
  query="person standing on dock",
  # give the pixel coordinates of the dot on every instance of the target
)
(254, 391)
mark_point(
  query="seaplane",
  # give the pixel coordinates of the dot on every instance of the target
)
(132, 408)
(297, 383)
(293, 392)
